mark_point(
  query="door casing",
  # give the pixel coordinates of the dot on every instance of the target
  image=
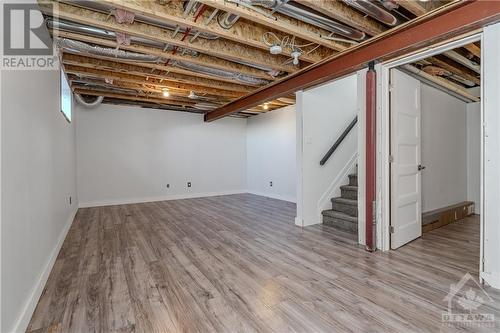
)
(383, 176)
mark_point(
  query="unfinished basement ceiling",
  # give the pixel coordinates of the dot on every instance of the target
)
(458, 71)
(196, 56)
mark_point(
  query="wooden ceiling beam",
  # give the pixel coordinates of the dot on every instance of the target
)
(219, 48)
(419, 8)
(174, 100)
(442, 82)
(474, 49)
(241, 32)
(157, 68)
(81, 61)
(161, 101)
(103, 74)
(282, 23)
(201, 59)
(147, 105)
(455, 68)
(143, 87)
(449, 21)
(136, 69)
(345, 14)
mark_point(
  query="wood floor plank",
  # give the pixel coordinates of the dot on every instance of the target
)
(239, 264)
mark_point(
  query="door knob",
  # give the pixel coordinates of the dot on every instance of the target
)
(421, 167)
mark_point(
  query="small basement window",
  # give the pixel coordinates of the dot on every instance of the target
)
(66, 97)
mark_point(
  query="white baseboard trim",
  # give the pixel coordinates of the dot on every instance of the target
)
(127, 201)
(493, 279)
(24, 319)
(273, 196)
(299, 222)
(311, 220)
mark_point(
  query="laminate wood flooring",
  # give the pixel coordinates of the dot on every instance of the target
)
(238, 264)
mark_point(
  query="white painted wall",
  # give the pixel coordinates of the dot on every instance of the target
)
(490, 61)
(473, 115)
(323, 115)
(444, 149)
(129, 154)
(271, 154)
(38, 177)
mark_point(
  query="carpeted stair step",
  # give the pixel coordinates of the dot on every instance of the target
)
(340, 221)
(349, 192)
(346, 206)
(353, 179)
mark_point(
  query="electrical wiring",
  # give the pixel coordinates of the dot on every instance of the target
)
(288, 42)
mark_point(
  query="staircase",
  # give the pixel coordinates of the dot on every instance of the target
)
(344, 213)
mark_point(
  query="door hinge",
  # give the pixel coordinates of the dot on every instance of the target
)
(391, 229)
(391, 159)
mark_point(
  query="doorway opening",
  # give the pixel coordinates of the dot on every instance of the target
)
(431, 112)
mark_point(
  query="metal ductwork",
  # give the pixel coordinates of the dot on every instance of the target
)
(89, 105)
(296, 11)
(220, 73)
(95, 5)
(87, 49)
(105, 34)
(74, 27)
(371, 9)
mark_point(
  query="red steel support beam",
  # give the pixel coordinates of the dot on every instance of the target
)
(371, 139)
(449, 21)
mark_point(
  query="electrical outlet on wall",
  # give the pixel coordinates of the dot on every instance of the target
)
(70, 200)
(189, 184)
(168, 185)
(271, 184)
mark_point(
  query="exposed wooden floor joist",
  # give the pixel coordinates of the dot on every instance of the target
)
(449, 21)
(200, 33)
(226, 50)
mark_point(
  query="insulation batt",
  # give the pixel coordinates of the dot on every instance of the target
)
(124, 16)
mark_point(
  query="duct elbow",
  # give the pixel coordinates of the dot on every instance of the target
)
(89, 105)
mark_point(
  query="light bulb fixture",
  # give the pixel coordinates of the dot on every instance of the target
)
(295, 56)
(165, 92)
(265, 106)
(192, 95)
(275, 49)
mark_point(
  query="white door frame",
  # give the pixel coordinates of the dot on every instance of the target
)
(383, 133)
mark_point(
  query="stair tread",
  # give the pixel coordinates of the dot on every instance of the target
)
(353, 175)
(345, 201)
(349, 187)
(340, 215)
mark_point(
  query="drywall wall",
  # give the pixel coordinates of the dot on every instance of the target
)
(38, 178)
(129, 154)
(490, 61)
(473, 123)
(271, 150)
(324, 113)
(444, 149)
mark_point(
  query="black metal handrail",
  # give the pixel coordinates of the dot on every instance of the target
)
(339, 141)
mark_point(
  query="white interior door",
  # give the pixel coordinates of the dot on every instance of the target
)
(406, 192)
